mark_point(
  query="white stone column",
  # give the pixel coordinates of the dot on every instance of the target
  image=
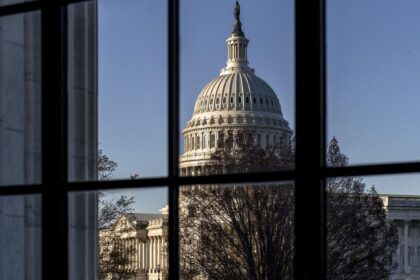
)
(162, 252)
(151, 254)
(158, 251)
(146, 255)
(133, 253)
(406, 228)
(154, 253)
(137, 253)
(140, 254)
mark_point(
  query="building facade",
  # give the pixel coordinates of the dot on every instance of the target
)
(404, 211)
(144, 239)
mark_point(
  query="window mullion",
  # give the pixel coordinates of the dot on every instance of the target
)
(54, 142)
(173, 136)
(310, 260)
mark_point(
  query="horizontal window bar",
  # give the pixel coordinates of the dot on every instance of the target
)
(30, 6)
(21, 189)
(374, 169)
(360, 170)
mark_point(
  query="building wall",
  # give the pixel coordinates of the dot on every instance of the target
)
(20, 141)
(404, 211)
(150, 240)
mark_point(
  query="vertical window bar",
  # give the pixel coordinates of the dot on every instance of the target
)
(54, 142)
(173, 136)
(310, 242)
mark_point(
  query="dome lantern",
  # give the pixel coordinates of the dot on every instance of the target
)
(237, 47)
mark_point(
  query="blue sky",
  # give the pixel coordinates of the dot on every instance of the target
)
(373, 77)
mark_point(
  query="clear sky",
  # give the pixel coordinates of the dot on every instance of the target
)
(373, 77)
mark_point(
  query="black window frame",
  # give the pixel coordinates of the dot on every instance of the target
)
(311, 169)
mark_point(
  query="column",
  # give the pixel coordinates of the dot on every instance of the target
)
(127, 250)
(137, 254)
(151, 254)
(134, 252)
(141, 254)
(156, 252)
(146, 255)
(159, 251)
(406, 266)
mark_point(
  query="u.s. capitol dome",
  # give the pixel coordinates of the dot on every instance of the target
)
(235, 101)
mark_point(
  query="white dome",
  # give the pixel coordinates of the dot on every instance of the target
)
(241, 90)
(234, 102)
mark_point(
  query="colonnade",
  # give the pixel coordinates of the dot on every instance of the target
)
(150, 253)
(212, 139)
(157, 253)
(407, 254)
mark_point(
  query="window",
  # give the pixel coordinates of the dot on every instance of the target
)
(51, 189)
(212, 140)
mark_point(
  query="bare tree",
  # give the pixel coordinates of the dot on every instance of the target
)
(105, 166)
(360, 240)
(114, 254)
(247, 231)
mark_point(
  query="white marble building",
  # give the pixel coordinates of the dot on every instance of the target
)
(147, 235)
(404, 211)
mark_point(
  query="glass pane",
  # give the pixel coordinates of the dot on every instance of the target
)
(20, 237)
(233, 111)
(20, 99)
(372, 79)
(375, 221)
(237, 231)
(118, 88)
(119, 233)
